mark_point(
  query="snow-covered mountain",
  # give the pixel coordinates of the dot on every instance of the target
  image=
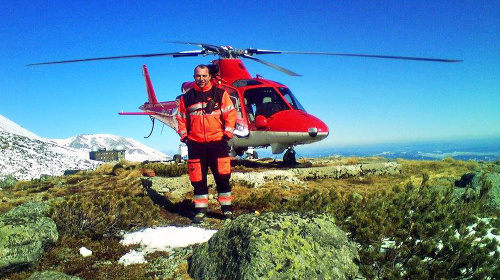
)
(26, 155)
(134, 150)
(9, 126)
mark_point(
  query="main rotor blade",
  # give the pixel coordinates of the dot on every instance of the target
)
(279, 68)
(209, 47)
(260, 51)
(364, 55)
(186, 53)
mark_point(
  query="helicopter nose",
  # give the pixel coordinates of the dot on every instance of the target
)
(297, 122)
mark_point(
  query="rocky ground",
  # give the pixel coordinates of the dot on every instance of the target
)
(259, 174)
(259, 187)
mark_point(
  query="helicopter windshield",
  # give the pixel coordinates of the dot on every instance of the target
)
(294, 102)
(263, 101)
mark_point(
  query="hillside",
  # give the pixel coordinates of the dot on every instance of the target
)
(25, 155)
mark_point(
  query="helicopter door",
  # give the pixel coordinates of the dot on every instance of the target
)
(241, 129)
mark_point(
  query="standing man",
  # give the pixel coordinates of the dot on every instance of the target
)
(206, 118)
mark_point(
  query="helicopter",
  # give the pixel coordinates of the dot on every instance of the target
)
(268, 113)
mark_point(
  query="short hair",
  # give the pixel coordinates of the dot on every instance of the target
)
(202, 66)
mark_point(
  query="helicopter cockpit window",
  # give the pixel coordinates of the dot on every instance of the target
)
(236, 103)
(263, 101)
(233, 94)
(246, 82)
(291, 99)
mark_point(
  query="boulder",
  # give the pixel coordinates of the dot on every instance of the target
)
(276, 246)
(52, 275)
(468, 180)
(24, 233)
(476, 181)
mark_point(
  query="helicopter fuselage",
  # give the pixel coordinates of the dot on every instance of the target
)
(268, 113)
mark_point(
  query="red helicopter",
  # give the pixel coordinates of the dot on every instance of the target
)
(268, 113)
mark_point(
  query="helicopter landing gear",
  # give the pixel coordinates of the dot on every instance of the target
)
(237, 152)
(249, 153)
(255, 155)
(182, 153)
(289, 157)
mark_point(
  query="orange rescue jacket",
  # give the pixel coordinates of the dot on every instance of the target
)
(201, 125)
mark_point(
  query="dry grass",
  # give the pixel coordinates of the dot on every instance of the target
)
(441, 173)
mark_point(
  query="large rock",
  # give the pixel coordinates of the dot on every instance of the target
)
(346, 171)
(476, 181)
(276, 246)
(24, 233)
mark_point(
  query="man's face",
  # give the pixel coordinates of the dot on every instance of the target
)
(201, 76)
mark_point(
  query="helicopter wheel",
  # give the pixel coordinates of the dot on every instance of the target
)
(255, 155)
(289, 157)
(252, 155)
(239, 152)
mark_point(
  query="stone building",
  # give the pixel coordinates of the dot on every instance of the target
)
(101, 154)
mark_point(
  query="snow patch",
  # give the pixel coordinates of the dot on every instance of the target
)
(85, 252)
(162, 239)
(132, 257)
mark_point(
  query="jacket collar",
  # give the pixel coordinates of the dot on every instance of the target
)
(207, 87)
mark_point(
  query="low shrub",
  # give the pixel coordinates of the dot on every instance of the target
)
(8, 182)
(265, 200)
(105, 168)
(167, 170)
(103, 213)
(414, 232)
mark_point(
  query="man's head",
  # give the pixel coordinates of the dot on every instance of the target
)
(201, 75)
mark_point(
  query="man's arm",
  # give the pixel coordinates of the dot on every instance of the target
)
(181, 120)
(228, 114)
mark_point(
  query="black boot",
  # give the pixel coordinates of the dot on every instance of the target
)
(227, 211)
(200, 215)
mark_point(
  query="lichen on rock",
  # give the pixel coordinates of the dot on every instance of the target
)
(25, 232)
(276, 246)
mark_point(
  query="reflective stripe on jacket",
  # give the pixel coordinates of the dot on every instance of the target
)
(199, 125)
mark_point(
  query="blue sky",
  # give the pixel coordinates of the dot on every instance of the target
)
(361, 100)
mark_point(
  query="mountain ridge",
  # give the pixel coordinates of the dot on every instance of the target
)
(25, 155)
(134, 150)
